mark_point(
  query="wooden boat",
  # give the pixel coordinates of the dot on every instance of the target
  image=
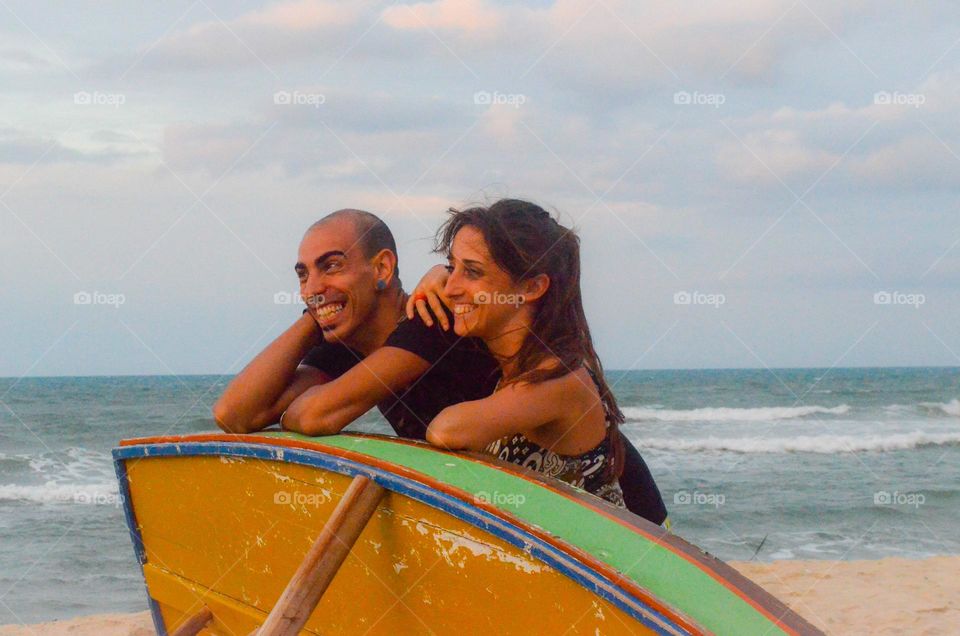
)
(364, 534)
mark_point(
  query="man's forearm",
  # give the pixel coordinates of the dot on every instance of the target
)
(250, 396)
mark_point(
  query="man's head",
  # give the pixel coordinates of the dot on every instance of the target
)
(347, 266)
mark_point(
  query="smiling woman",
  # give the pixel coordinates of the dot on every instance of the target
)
(514, 282)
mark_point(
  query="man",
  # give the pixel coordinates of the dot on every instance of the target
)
(347, 267)
(353, 349)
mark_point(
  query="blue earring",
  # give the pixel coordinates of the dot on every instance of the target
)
(381, 285)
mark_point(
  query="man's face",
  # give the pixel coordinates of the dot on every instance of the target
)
(337, 281)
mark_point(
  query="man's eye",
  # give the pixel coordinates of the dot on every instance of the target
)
(333, 266)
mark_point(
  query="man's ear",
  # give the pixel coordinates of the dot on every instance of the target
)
(384, 266)
(535, 287)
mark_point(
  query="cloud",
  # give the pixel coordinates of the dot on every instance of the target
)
(620, 45)
(620, 41)
(276, 34)
(771, 156)
(472, 17)
(22, 61)
(917, 162)
(24, 148)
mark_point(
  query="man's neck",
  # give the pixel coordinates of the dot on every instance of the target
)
(390, 309)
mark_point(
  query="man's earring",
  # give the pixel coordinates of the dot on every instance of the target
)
(381, 285)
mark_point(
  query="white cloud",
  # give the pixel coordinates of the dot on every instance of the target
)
(465, 16)
(278, 33)
(771, 156)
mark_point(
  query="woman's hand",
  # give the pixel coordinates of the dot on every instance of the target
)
(431, 286)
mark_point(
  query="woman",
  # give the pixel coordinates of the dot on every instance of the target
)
(514, 282)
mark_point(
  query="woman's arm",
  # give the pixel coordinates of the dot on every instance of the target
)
(430, 286)
(514, 409)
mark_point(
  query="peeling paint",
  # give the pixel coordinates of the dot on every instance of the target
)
(598, 611)
(477, 548)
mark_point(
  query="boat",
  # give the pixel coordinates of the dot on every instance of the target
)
(279, 533)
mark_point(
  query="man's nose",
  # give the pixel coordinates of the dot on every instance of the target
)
(314, 289)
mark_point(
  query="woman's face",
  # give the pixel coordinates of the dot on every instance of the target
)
(483, 295)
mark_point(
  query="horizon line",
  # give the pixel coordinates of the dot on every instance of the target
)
(606, 370)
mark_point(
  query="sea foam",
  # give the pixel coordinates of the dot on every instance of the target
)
(725, 414)
(828, 444)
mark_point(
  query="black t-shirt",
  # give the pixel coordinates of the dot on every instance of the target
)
(461, 369)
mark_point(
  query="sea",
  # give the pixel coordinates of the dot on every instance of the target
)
(756, 464)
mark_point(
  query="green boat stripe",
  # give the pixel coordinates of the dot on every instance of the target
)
(655, 567)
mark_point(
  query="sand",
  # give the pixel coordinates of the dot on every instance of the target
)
(888, 596)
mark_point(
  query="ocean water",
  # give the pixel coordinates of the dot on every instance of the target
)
(753, 464)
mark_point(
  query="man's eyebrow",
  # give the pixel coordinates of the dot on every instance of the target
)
(320, 259)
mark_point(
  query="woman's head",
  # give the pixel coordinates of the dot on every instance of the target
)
(515, 267)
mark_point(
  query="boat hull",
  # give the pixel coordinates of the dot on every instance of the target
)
(457, 545)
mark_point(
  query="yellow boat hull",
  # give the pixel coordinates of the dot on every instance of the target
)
(223, 522)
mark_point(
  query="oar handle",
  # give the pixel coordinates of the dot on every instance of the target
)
(323, 559)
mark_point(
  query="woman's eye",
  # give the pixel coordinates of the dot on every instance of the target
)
(449, 268)
(472, 273)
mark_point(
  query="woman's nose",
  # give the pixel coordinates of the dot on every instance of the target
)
(452, 286)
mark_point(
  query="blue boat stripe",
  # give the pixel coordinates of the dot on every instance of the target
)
(139, 550)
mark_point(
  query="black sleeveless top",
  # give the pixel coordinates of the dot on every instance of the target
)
(592, 471)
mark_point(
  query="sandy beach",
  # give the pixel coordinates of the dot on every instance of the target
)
(886, 596)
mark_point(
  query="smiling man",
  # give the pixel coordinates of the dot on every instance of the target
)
(354, 321)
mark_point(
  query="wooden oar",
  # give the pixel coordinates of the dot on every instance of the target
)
(324, 559)
(193, 625)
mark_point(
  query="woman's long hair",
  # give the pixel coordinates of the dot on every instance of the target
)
(525, 241)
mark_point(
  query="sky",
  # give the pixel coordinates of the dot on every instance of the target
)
(755, 183)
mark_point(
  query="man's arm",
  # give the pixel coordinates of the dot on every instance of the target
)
(325, 409)
(265, 388)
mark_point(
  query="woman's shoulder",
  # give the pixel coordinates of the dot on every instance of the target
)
(575, 383)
